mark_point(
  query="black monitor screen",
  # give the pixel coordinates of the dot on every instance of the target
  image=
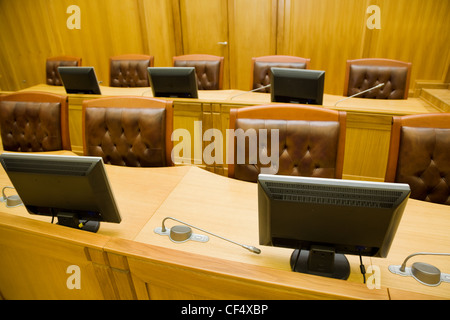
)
(303, 86)
(73, 188)
(79, 80)
(328, 217)
(175, 82)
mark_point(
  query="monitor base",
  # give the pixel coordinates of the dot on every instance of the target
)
(321, 261)
(70, 220)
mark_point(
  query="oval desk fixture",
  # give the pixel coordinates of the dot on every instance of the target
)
(184, 233)
(424, 273)
(11, 201)
(180, 234)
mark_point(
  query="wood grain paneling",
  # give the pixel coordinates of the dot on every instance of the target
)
(252, 26)
(39, 253)
(328, 32)
(414, 31)
(160, 30)
(35, 30)
(204, 25)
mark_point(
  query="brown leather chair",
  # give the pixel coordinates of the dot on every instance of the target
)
(130, 70)
(34, 122)
(260, 70)
(128, 131)
(209, 69)
(362, 74)
(52, 64)
(419, 155)
(311, 140)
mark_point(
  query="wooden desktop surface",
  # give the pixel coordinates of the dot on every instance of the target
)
(228, 207)
(400, 106)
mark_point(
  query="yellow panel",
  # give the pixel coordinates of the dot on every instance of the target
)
(107, 28)
(328, 32)
(158, 27)
(252, 27)
(415, 31)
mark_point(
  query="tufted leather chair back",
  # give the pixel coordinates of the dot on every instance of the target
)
(419, 155)
(261, 68)
(128, 131)
(209, 69)
(311, 140)
(52, 64)
(362, 74)
(130, 70)
(34, 122)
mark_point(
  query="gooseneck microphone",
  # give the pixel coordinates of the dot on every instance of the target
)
(403, 266)
(359, 93)
(257, 89)
(424, 273)
(183, 234)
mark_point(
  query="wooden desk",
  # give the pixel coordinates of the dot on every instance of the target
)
(129, 261)
(367, 136)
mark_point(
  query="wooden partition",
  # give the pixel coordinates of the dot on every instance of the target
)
(328, 32)
(36, 257)
(367, 136)
(130, 261)
(163, 274)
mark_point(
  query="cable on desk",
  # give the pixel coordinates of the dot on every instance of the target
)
(362, 267)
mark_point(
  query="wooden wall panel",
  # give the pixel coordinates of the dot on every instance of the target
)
(204, 25)
(416, 31)
(161, 31)
(252, 28)
(34, 30)
(328, 32)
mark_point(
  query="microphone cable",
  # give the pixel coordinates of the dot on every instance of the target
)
(257, 89)
(360, 93)
(250, 248)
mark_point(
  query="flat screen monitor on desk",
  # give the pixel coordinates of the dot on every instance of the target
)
(81, 80)
(323, 219)
(72, 188)
(173, 82)
(297, 85)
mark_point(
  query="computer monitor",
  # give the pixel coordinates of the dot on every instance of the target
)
(79, 80)
(174, 82)
(302, 86)
(324, 219)
(75, 189)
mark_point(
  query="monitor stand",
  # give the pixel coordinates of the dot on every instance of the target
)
(321, 261)
(71, 220)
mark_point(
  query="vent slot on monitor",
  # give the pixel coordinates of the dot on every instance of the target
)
(48, 167)
(333, 195)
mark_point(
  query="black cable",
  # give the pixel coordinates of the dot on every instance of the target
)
(53, 214)
(361, 267)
